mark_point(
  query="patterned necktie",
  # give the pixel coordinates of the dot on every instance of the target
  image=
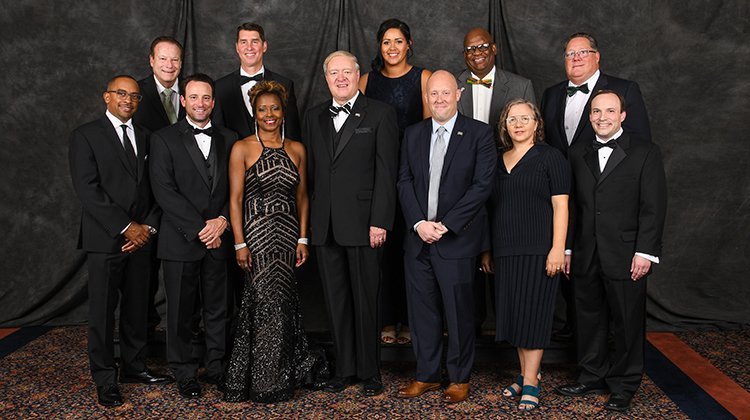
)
(484, 82)
(334, 110)
(129, 151)
(573, 89)
(436, 168)
(166, 100)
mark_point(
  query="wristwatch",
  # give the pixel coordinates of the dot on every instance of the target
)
(151, 230)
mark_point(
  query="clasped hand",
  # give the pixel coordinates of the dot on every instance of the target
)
(137, 235)
(210, 235)
(431, 232)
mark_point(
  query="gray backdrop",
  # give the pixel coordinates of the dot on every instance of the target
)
(690, 58)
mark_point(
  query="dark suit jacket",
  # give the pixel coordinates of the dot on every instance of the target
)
(354, 187)
(553, 112)
(620, 211)
(150, 112)
(230, 110)
(110, 193)
(465, 185)
(507, 86)
(183, 191)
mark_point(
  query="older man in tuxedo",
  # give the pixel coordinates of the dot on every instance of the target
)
(111, 178)
(352, 150)
(445, 177)
(618, 220)
(189, 165)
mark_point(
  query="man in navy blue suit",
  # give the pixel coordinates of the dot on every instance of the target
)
(447, 167)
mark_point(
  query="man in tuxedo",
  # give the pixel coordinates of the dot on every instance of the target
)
(447, 166)
(618, 220)
(485, 91)
(352, 148)
(565, 109)
(111, 179)
(190, 183)
(233, 109)
(159, 108)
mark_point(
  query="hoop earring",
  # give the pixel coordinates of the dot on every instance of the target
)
(255, 123)
(282, 131)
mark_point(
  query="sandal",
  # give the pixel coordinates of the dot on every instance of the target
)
(404, 337)
(531, 391)
(511, 391)
(388, 334)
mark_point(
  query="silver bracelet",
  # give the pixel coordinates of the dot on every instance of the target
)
(238, 247)
(303, 241)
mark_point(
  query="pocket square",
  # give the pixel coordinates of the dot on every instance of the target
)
(362, 130)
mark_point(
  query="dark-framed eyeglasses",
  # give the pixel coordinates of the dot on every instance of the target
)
(523, 119)
(122, 94)
(580, 53)
(474, 48)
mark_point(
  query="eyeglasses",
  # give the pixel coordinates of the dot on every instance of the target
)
(523, 119)
(122, 94)
(580, 53)
(474, 48)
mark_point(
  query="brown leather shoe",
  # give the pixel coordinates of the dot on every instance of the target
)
(417, 388)
(456, 393)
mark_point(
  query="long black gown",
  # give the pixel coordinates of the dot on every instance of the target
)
(271, 357)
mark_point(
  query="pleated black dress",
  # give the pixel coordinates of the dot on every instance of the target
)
(521, 212)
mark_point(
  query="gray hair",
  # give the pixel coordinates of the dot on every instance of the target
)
(339, 53)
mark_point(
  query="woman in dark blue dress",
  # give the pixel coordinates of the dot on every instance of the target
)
(529, 220)
(396, 82)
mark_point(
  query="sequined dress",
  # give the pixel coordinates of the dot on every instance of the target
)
(270, 357)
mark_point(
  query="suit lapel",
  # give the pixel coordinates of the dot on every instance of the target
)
(453, 145)
(423, 150)
(466, 103)
(592, 161)
(499, 94)
(239, 103)
(140, 141)
(188, 140)
(618, 155)
(326, 131)
(561, 100)
(352, 123)
(115, 142)
(155, 100)
(219, 143)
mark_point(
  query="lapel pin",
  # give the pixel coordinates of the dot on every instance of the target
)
(356, 114)
(459, 133)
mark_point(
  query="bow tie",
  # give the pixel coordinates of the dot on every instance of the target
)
(484, 82)
(336, 109)
(207, 131)
(244, 79)
(583, 88)
(598, 145)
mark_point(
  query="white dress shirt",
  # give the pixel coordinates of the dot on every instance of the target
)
(175, 94)
(574, 106)
(203, 140)
(340, 119)
(482, 97)
(131, 132)
(249, 85)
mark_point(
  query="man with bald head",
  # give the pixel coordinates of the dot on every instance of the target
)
(119, 216)
(445, 176)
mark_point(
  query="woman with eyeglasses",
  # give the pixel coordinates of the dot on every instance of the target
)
(529, 219)
(396, 82)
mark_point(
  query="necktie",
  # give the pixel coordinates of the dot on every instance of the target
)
(484, 82)
(336, 109)
(598, 145)
(573, 89)
(244, 79)
(207, 131)
(436, 168)
(129, 151)
(166, 100)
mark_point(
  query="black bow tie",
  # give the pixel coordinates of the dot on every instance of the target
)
(207, 131)
(598, 145)
(583, 88)
(336, 109)
(244, 79)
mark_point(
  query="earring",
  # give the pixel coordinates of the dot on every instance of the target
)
(282, 131)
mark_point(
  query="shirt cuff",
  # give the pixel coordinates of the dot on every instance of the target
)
(568, 252)
(651, 258)
(417, 224)
(122, 232)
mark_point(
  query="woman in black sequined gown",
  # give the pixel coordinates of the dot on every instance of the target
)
(269, 217)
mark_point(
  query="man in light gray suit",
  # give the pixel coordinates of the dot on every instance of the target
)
(486, 90)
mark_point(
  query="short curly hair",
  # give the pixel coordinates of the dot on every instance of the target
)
(268, 87)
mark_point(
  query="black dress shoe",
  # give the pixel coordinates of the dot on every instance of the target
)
(617, 402)
(372, 386)
(145, 377)
(577, 390)
(337, 384)
(109, 395)
(189, 388)
(217, 379)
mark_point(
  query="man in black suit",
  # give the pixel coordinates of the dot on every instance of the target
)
(445, 177)
(159, 108)
(108, 166)
(352, 149)
(233, 109)
(485, 91)
(189, 167)
(618, 220)
(565, 109)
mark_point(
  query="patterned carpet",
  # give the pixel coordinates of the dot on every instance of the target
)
(49, 378)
